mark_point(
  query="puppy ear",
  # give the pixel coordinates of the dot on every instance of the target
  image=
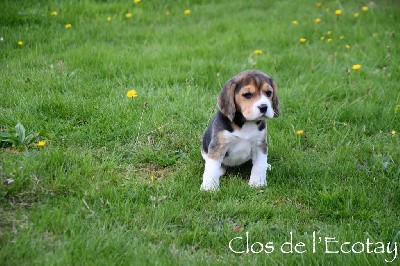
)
(226, 100)
(275, 100)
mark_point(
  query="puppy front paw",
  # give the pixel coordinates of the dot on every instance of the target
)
(257, 182)
(209, 186)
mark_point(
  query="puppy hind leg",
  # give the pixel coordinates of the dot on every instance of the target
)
(223, 169)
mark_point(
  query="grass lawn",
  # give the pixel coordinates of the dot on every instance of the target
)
(117, 179)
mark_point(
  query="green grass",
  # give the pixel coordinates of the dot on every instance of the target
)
(118, 181)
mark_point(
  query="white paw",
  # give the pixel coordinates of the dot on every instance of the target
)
(212, 171)
(257, 182)
(209, 186)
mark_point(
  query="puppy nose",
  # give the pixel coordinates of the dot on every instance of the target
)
(263, 108)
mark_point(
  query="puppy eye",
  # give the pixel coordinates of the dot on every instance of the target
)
(247, 95)
(269, 93)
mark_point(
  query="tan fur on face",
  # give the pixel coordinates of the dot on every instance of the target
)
(231, 97)
(245, 105)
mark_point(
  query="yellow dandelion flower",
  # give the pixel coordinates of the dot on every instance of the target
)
(317, 20)
(68, 26)
(41, 143)
(329, 40)
(109, 19)
(347, 46)
(393, 133)
(303, 40)
(20, 43)
(137, 1)
(187, 12)
(356, 67)
(356, 15)
(364, 8)
(329, 32)
(54, 13)
(131, 94)
(128, 15)
(338, 12)
(258, 51)
(319, 5)
(299, 132)
(295, 22)
(322, 38)
(168, 13)
(341, 37)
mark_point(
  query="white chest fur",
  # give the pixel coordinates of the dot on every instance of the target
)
(242, 143)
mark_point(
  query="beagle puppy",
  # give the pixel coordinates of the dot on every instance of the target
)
(237, 133)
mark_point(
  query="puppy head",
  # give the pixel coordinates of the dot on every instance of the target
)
(251, 93)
